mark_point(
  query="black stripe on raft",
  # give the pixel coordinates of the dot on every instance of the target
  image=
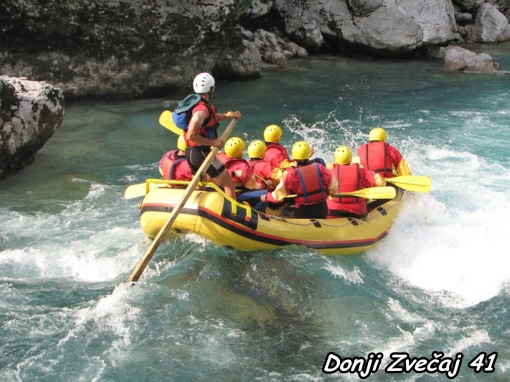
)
(257, 236)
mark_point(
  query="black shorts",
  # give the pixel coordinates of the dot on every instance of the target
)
(317, 210)
(195, 156)
(345, 214)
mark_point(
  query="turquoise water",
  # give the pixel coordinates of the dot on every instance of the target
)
(438, 283)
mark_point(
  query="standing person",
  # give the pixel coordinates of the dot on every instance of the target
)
(350, 177)
(201, 134)
(173, 165)
(261, 169)
(311, 182)
(381, 157)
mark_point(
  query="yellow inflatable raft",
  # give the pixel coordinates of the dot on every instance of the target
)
(211, 214)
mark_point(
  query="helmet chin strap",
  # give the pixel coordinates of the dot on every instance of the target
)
(210, 92)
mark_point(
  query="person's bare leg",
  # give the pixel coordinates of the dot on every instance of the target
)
(227, 183)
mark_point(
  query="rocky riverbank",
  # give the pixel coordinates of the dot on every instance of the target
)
(116, 49)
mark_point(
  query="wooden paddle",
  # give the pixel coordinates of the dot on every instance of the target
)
(412, 183)
(367, 193)
(165, 119)
(178, 208)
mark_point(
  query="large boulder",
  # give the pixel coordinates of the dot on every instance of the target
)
(456, 58)
(383, 27)
(30, 112)
(490, 25)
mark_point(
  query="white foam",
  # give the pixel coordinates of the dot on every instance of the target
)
(352, 277)
(452, 240)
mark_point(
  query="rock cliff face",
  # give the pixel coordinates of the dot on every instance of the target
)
(110, 47)
(30, 112)
(127, 49)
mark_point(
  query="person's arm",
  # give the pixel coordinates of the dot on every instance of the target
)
(333, 186)
(400, 164)
(371, 179)
(279, 193)
(402, 168)
(329, 180)
(220, 117)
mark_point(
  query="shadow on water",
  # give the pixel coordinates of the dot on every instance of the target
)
(267, 296)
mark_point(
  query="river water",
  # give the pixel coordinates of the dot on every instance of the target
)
(436, 288)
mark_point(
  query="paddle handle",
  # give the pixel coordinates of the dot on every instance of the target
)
(367, 193)
(178, 208)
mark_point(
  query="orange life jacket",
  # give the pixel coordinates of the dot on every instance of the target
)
(313, 191)
(276, 154)
(348, 181)
(233, 164)
(168, 165)
(374, 157)
(209, 128)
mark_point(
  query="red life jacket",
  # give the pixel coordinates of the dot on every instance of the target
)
(233, 164)
(276, 154)
(348, 181)
(313, 191)
(209, 128)
(168, 165)
(262, 169)
(374, 156)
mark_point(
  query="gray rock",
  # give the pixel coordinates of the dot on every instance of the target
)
(463, 18)
(384, 27)
(460, 59)
(364, 7)
(112, 48)
(275, 50)
(30, 112)
(490, 25)
(469, 5)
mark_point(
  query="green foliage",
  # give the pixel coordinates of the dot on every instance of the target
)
(242, 7)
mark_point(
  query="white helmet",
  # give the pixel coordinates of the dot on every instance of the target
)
(203, 83)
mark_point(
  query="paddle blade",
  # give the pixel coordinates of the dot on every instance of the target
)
(412, 183)
(135, 191)
(138, 190)
(165, 119)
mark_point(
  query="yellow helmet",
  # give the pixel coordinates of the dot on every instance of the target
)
(301, 151)
(343, 155)
(257, 149)
(181, 143)
(234, 147)
(272, 134)
(377, 134)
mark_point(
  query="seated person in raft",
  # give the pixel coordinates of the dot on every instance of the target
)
(247, 186)
(350, 177)
(310, 182)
